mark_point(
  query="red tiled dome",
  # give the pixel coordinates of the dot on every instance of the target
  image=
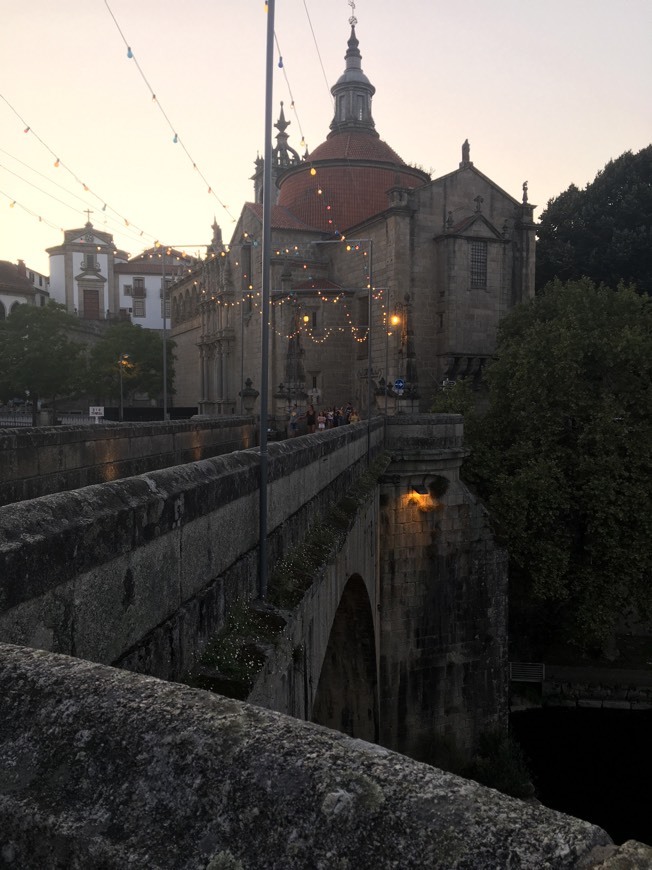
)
(354, 171)
(355, 146)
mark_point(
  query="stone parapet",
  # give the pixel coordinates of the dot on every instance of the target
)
(37, 462)
(103, 768)
(139, 572)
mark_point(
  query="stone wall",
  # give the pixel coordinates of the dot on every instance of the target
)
(103, 768)
(36, 462)
(443, 597)
(140, 572)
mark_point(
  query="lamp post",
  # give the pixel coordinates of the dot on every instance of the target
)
(266, 292)
(123, 360)
(165, 334)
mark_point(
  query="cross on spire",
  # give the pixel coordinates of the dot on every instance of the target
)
(88, 215)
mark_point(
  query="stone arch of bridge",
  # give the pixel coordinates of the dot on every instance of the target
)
(347, 691)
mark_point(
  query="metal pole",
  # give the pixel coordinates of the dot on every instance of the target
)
(369, 388)
(242, 314)
(165, 332)
(266, 266)
(387, 321)
(120, 364)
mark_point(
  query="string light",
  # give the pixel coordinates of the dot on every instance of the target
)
(57, 162)
(169, 123)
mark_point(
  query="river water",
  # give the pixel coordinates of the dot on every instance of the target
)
(595, 764)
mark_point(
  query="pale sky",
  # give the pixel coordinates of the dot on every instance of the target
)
(545, 91)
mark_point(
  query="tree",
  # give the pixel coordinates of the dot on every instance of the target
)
(139, 352)
(454, 397)
(563, 456)
(37, 354)
(603, 232)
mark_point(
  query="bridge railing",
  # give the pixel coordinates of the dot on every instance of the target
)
(160, 555)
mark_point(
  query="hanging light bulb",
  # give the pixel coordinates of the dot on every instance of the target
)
(130, 53)
(313, 171)
(12, 204)
(104, 207)
(280, 62)
(176, 139)
(56, 162)
(26, 130)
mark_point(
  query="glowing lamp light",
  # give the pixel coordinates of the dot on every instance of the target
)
(56, 162)
(313, 171)
(395, 320)
(12, 204)
(306, 318)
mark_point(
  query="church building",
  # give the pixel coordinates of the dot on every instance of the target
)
(385, 283)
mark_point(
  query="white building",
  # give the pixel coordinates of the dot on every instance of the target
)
(96, 281)
(20, 286)
(82, 273)
(141, 283)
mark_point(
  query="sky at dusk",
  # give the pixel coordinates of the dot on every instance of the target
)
(545, 91)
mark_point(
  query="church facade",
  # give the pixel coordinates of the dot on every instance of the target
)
(385, 283)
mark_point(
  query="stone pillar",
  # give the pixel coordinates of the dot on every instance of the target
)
(443, 596)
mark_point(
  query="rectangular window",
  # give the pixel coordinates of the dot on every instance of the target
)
(127, 290)
(314, 320)
(139, 287)
(139, 308)
(478, 265)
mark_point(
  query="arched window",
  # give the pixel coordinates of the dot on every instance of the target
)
(14, 306)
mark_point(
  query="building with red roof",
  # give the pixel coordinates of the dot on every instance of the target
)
(385, 282)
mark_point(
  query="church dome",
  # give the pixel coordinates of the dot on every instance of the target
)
(345, 180)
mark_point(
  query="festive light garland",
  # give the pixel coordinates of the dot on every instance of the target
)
(176, 138)
(27, 128)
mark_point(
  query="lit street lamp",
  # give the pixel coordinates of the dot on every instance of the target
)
(123, 360)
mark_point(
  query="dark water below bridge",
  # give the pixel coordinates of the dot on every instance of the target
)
(595, 764)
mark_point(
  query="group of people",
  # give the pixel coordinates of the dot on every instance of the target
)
(318, 421)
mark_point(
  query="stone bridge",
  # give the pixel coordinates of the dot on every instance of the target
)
(400, 633)
(386, 620)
